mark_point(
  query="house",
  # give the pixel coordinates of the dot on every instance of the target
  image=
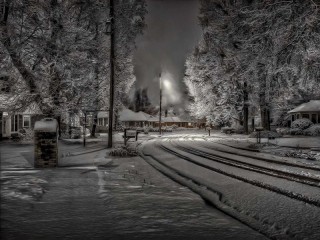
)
(12, 122)
(134, 119)
(103, 118)
(170, 121)
(142, 119)
(309, 110)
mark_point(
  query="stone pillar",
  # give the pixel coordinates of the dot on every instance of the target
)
(46, 152)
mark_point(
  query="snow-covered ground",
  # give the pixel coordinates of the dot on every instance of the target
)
(274, 205)
(118, 185)
(93, 197)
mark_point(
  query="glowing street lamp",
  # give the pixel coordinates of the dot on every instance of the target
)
(167, 84)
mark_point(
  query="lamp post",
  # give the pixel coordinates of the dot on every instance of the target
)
(160, 104)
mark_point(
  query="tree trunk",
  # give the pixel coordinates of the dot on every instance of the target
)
(265, 117)
(268, 127)
(94, 125)
(252, 124)
(59, 125)
(245, 109)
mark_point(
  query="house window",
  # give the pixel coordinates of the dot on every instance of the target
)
(292, 118)
(305, 116)
(314, 118)
(26, 122)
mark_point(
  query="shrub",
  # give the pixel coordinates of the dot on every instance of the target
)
(296, 131)
(265, 134)
(312, 131)
(283, 131)
(123, 152)
(301, 124)
(28, 136)
(174, 126)
(146, 130)
(239, 130)
(140, 129)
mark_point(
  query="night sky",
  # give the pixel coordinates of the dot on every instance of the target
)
(172, 33)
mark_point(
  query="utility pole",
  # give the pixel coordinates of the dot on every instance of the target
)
(111, 15)
(245, 108)
(160, 104)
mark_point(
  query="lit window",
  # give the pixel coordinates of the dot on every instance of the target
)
(26, 121)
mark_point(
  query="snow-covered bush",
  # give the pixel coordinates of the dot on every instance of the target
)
(302, 124)
(283, 131)
(314, 130)
(29, 134)
(140, 129)
(174, 126)
(182, 128)
(239, 129)
(123, 152)
(300, 154)
(265, 134)
(296, 131)
(120, 127)
(146, 130)
(76, 133)
(152, 129)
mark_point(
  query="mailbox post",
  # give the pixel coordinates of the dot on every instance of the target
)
(209, 129)
(46, 143)
(258, 130)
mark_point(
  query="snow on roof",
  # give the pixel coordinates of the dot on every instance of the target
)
(312, 106)
(127, 115)
(46, 125)
(103, 114)
(153, 119)
(168, 119)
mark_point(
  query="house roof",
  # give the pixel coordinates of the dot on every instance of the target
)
(168, 119)
(312, 106)
(127, 115)
(103, 114)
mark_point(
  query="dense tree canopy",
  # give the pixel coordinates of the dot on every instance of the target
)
(268, 50)
(58, 51)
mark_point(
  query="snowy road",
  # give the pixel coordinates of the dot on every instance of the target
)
(277, 196)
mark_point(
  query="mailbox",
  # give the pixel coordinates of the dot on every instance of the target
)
(46, 143)
(259, 130)
(130, 134)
